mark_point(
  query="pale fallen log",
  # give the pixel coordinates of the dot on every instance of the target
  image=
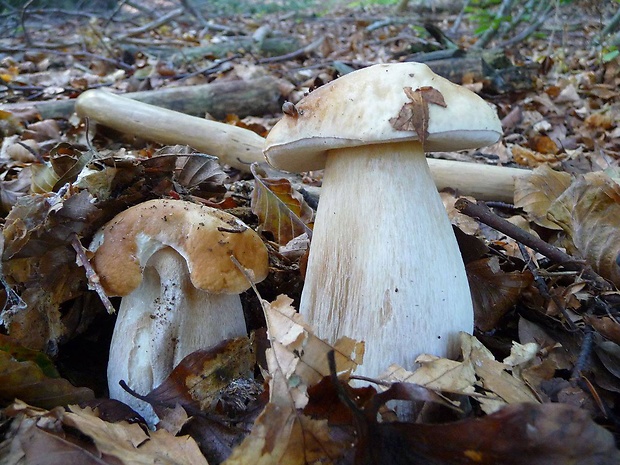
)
(240, 147)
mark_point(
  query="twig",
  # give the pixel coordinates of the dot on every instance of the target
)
(543, 289)
(93, 278)
(191, 9)
(584, 354)
(22, 19)
(153, 24)
(491, 32)
(485, 215)
(116, 63)
(529, 30)
(297, 53)
(459, 18)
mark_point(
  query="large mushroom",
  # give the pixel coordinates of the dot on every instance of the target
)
(384, 265)
(170, 260)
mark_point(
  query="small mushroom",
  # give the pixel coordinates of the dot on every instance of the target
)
(384, 265)
(170, 260)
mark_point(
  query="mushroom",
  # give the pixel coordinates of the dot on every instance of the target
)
(170, 261)
(384, 265)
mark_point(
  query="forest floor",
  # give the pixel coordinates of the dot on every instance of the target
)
(545, 352)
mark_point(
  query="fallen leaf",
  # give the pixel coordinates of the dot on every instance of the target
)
(130, 444)
(413, 116)
(197, 381)
(589, 213)
(537, 192)
(494, 292)
(281, 209)
(297, 358)
(282, 436)
(30, 376)
(605, 325)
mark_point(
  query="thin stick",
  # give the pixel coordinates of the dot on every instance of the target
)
(486, 216)
(93, 278)
(544, 289)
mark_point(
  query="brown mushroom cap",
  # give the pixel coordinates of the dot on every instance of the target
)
(204, 236)
(359, 108)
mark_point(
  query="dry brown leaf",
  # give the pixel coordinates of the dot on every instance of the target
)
(606, 325)
(440, 374)
(413, 116)
(494, 375)
(527, 157)
(80, 436)
(494, 292)
(544, 144)
(281, 209)
(297, 358)
(589, 213)
(129, 443)
(282, 436)
(536, 193)
(196, 382)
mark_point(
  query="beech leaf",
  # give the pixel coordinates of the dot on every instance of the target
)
(297, 358)
(494, 292)
(414, 116)
(281, 209)
(589, 213)
(29, 376)
(197, 380)
(536, 193)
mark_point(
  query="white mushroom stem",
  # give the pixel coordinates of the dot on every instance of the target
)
(165, 319)
(384, 265)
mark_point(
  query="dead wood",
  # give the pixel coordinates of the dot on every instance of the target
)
(268, 47)
(240, 147)
(242, 98)
(491, 67)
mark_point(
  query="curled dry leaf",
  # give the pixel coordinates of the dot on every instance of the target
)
(30, 376)
(64, 166)
(281, 209)
(589, 213)
(494, 384)
(196, 382)
(494, 292)
(536, 193)
(297, 359)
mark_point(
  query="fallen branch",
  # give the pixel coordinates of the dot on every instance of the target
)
(240, 147)
(242, 98)
(569, 262)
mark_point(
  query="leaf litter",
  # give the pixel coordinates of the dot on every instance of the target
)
(527, 387)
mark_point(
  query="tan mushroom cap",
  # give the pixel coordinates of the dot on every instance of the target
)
(204, 236)
(356, 109)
